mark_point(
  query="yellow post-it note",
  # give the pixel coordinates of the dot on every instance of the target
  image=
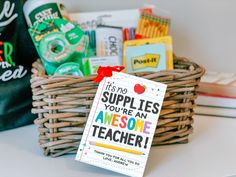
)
(167, 41)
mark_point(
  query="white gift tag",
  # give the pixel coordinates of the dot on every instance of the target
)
(121, 125)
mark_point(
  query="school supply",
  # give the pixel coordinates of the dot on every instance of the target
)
(91, 65)
(120, 18)
(216, 101)
(217, 95)
(109, 41)
(71, 68)
(216, 111)
(57, 42)
(91, 34)
(221, 84)
(36, 11)
(128, 34)
(145, 58)
(140, 48)
(151, 26)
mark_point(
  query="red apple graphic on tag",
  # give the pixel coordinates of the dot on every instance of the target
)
(139, 89)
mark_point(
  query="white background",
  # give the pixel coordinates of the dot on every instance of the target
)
(203, 30)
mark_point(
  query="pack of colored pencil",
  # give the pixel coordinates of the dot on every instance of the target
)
(151, 26)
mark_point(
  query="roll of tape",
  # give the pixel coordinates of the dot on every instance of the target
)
(58, 41)
(55, 49)
(69, 69)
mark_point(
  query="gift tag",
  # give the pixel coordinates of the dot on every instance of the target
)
(122, 122)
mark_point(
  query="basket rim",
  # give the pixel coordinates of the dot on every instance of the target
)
(39, 71)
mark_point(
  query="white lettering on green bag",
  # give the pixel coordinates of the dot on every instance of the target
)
(8, 13)
(9, 73)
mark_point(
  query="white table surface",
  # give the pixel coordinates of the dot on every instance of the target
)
(211, 152)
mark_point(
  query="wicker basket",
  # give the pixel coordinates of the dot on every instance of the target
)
(57, 100)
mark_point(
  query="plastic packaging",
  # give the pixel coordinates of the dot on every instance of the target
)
(36, 11)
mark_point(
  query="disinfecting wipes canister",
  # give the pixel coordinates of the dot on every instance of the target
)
(36, 11)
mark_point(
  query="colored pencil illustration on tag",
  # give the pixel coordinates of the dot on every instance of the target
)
(122, 122)
(115, 148)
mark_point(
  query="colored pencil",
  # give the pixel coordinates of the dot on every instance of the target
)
(108, 146)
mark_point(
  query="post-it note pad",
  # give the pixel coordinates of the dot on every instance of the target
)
(121, 124)
(166, 40)
(145, 58)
